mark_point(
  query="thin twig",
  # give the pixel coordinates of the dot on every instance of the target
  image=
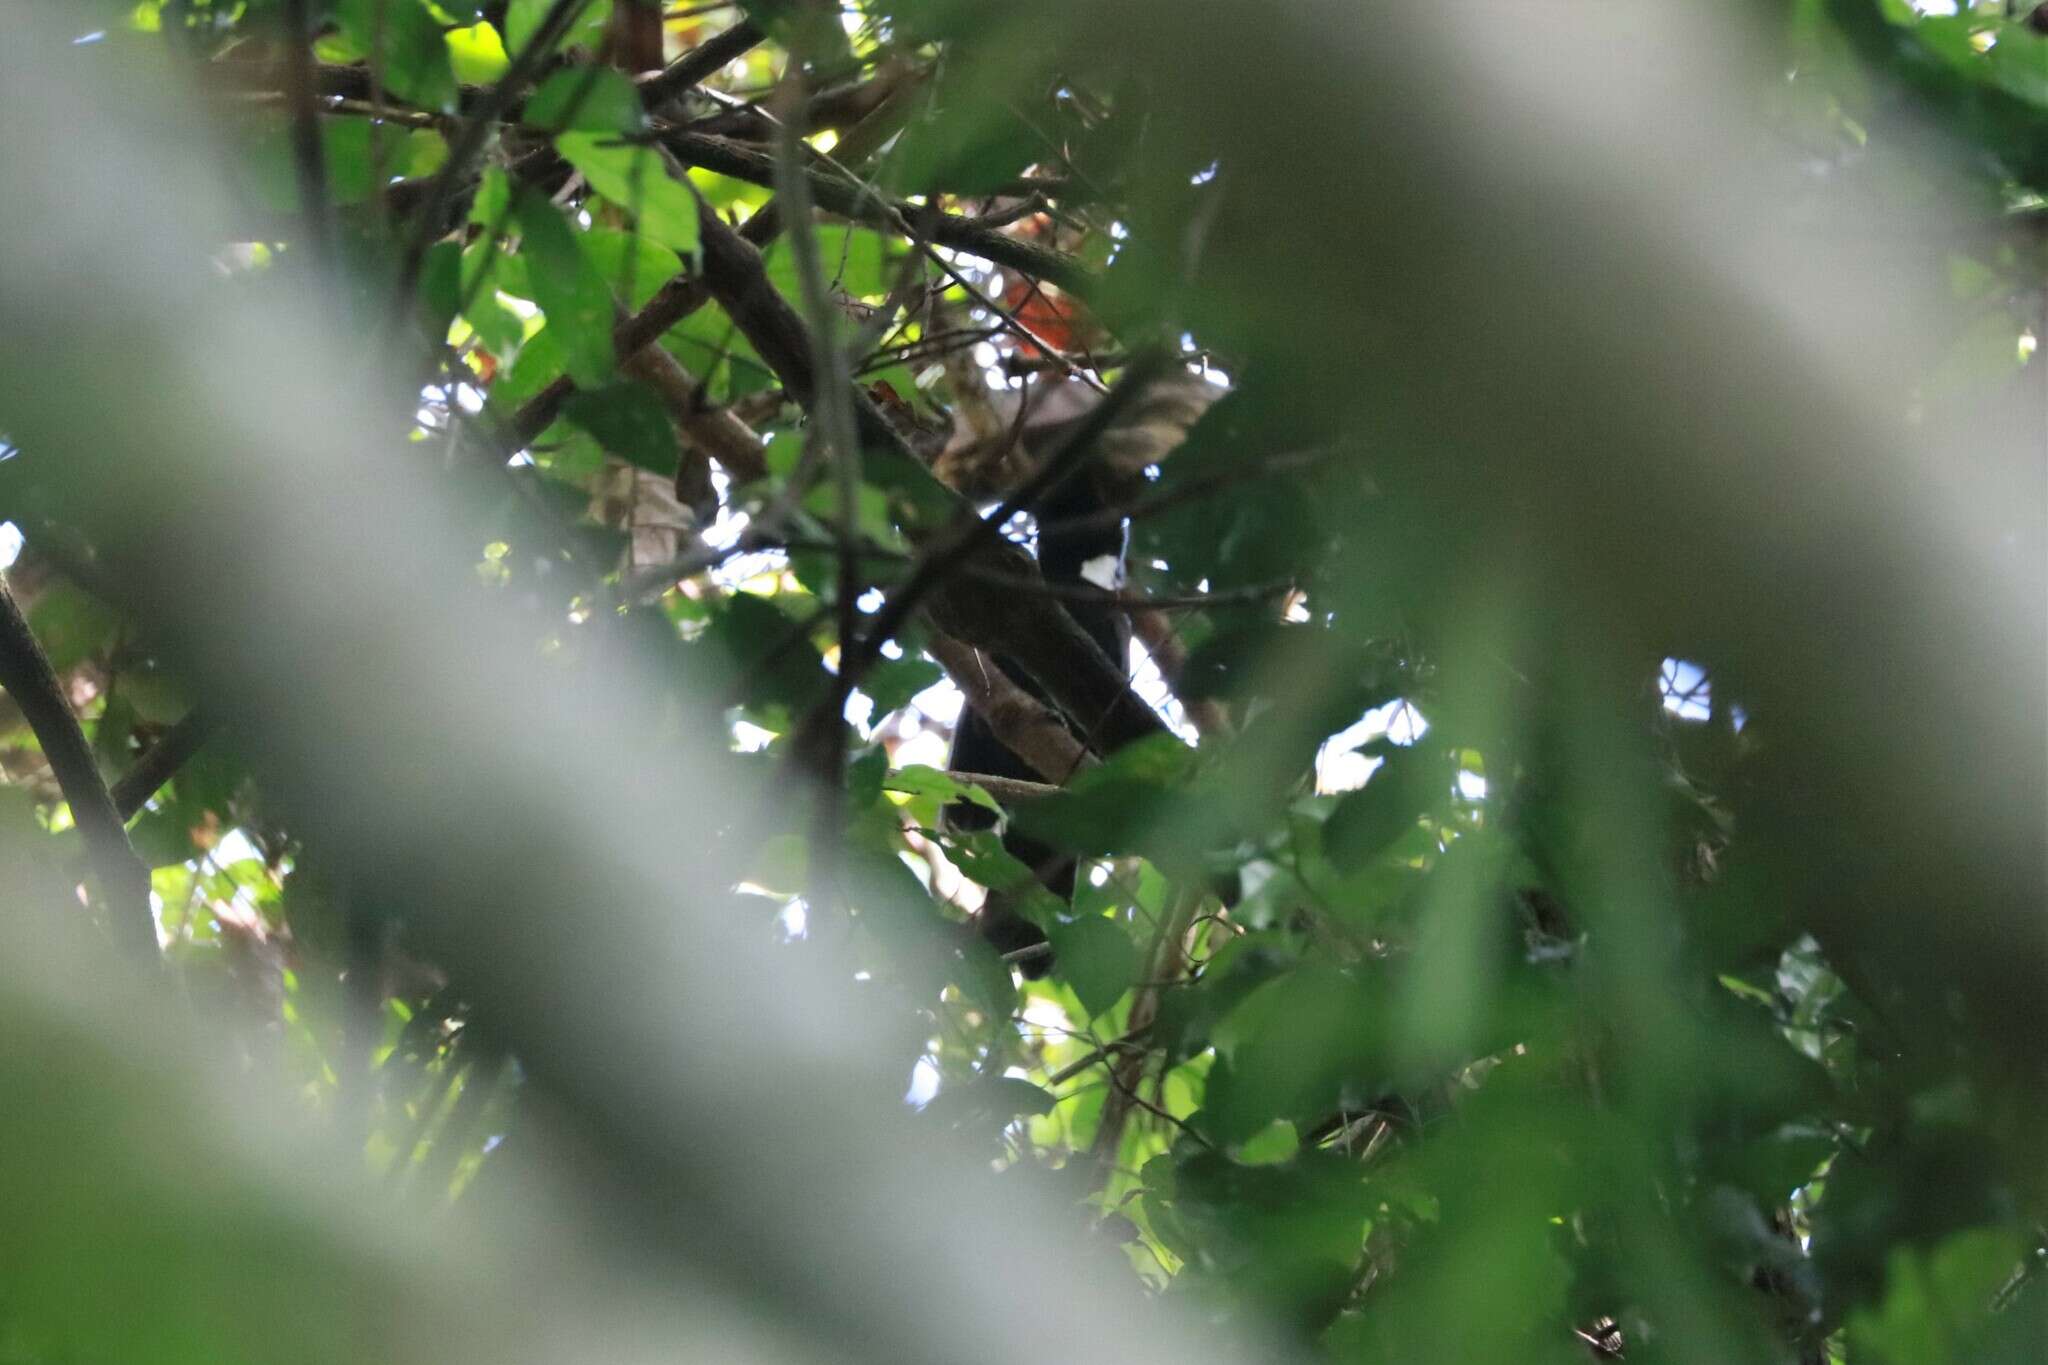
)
(1164, 962)
(1128, 1041)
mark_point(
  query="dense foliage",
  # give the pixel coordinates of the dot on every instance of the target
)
(1561, 868)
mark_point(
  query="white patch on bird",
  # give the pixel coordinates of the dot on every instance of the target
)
(1104, 571)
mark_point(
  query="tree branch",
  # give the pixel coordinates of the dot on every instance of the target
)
(711, 431)
(1006, 789)
(1023, 724)
(124, 878)
(699, 63)
(173, 749)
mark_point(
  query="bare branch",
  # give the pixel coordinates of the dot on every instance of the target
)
(1025, 726)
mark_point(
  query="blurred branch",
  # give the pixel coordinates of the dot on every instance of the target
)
(171, 752)
(124, 878)
(700, 63)
(309, 156)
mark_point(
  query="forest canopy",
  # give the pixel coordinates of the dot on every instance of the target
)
(916, 680)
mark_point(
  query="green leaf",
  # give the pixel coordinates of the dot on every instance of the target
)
(161, 838)
(628, 421)
(523, 18)
(477, 54)
(870, 510)
(982, 859)
(1290, 1047)
(1407, 784)
(635, 179)
(1277, 1143)
(632, 265)
(592, 99)
(407, 39)
(764, 651)
(156, 696)
(356, 159)
(921, 779)
(1936, 1301)
(1138, 801)
(441, 286)
(710, 346)
(968, 140)
(893, 682)
(568, 289)
(71, 624)
(2019, 64)
(865, 776)
(986, 1102)
(492, 206)
(499, 329)
(853, 261)
(535, 367)
(1096, 958)
(785, 448)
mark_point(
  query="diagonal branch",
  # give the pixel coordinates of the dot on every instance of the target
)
(124, 878)
(1018, 720)
(173, 749)
(700, 62)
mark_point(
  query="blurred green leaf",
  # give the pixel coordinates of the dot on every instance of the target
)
(523, 19)
(586, 99)
(635, 179)
(893, 682)
(1097, 958)
(1409, 783)
(634, 266)
(72, 625)
(405, 40)
(628, 421)
(569, 289)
